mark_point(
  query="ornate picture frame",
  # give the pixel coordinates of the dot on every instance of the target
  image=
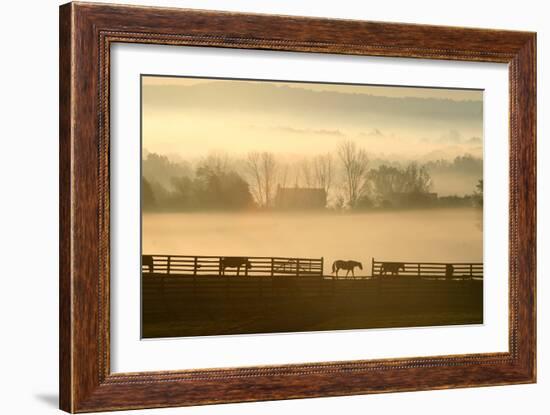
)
(87, 32)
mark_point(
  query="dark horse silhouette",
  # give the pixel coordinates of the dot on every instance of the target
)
(392, 267)
(234, 262)
(347, 265)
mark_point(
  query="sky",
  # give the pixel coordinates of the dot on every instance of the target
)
(192, 117)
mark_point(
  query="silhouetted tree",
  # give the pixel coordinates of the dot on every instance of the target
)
(214, 187)
(222, 190)
(323, 171)
(215, 163)
(262, 168)
(355, 165)
(478, 193)
(385, 180)
(416, 179)
(317, 172)
(158, 168)
(283, 175)
(411, 184)
(184, 194)
(306, 173)
(148, 201)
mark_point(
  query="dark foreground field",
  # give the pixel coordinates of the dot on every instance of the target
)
(175, 306)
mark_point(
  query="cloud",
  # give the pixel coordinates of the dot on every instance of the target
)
(449, 153)
(292, 130)
(474, 140)
(266, 97)
(375, 132)
(452, 137)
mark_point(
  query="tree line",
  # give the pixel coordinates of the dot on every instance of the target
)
(218, 182)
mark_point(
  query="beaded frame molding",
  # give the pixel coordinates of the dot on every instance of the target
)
(86, 33)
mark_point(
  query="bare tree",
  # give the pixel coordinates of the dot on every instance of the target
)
(269, 168)
(216, 162)
(417, 179)
(355, 162)
(262, 168)
(386, 180)
(254, 170)
(322, 171)
(283, 175)
(306, 172)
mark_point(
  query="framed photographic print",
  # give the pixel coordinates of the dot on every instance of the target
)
(260, 207)
(278, 195)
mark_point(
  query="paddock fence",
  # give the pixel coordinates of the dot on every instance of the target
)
(197, 266)
(431, 270)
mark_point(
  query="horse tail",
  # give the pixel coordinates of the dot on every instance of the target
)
(334, 267)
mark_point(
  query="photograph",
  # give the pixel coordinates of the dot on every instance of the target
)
(272, 206)
(264, 203)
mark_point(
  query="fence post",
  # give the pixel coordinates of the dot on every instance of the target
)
(272, 267)
(194, 276)
(322, 266)
(471, 273)
(168, 265)
(297, 267)
(372, 268)
(419, 269)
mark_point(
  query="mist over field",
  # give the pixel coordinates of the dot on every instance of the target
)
(431, 235)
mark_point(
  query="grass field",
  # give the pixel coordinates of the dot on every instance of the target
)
(178, 306)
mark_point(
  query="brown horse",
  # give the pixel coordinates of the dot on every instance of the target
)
(234, 262)
(347, 265)
(392, 267)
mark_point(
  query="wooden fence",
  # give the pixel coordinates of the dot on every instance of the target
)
(434, 270)
(153, 264)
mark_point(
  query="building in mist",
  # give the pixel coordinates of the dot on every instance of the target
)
(297, 198)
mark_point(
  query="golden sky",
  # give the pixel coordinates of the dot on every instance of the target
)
(393, 91)
(191, 117)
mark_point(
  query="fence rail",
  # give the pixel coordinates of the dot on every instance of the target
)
(435, 270)
(230, 265)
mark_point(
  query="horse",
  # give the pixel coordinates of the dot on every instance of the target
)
(392, 267)
(234, 262)
(347, 265)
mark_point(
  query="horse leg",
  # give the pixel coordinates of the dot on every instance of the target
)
(353, 272)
